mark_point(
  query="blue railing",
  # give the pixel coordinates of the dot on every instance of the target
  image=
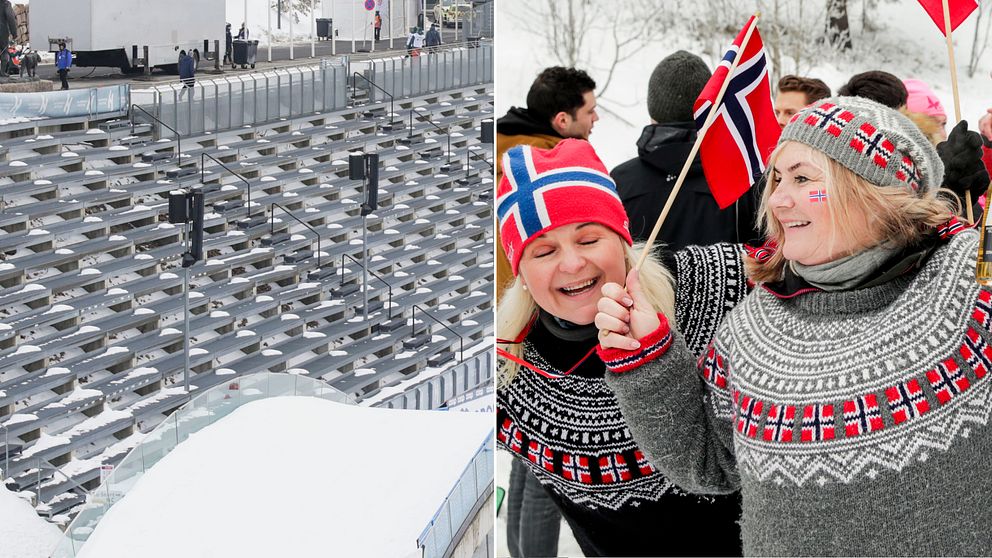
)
(474, 484)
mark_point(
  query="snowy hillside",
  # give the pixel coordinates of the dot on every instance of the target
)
(22, 533)
(295, 476)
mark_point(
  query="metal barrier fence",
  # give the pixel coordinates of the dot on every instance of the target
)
(202, 411)
(443, 388)
(472, 489)
(111, 100)
(248, 99)
(430, 72)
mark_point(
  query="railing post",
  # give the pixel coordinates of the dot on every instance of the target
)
(179, 146)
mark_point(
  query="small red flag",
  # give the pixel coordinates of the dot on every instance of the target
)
(958, 9)
(744, 133)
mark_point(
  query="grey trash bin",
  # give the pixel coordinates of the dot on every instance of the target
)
(245, 53)
(324, 27)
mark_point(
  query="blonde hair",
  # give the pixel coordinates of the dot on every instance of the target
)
(895, 215)
(517, 307)
(927, 124)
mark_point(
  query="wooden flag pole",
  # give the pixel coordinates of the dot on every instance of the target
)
(695, 147)
(954, 87)
(692, 153)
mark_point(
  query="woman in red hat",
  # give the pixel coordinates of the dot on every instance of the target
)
(565, 233)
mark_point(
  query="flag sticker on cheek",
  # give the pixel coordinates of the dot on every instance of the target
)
(817, 196)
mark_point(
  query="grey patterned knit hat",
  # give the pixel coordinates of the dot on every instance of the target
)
(875, 142)
(675, 84)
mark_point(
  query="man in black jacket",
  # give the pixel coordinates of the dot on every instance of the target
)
(645, 182)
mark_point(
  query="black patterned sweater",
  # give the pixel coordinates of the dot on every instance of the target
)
(572, 435)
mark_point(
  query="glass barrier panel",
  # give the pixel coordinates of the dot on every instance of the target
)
(442, 526)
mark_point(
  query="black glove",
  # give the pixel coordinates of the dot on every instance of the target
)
(964, 170)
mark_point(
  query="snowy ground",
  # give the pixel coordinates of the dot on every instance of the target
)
(295, 476)
(22, 533)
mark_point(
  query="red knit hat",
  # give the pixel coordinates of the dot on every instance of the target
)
(546, 189)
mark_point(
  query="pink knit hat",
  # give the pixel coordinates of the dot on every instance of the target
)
(922, 99)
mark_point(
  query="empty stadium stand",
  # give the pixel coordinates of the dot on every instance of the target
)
(91, 285)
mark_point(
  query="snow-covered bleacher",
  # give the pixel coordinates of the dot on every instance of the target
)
(91, 287)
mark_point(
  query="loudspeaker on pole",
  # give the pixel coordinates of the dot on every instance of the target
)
(372, 195)
(487, 131)
(356, 166)
(178, 210)
(197, 245)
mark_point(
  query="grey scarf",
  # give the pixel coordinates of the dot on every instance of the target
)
(848, 272)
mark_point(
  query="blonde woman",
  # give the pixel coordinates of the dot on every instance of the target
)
(848, 395)
(566, 235)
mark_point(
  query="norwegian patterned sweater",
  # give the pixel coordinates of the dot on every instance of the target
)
(855, 423)
(572, 435)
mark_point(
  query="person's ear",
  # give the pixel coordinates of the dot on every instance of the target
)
(561, 121)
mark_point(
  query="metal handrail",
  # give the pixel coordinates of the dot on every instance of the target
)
(389, 308)
(366, 56)
(179, 147)
(482, 158)
(372, 83)
(52, 468)
(413, 331)
(272, 226)
(468, 164)
(228, 169)
(483, 454)
(432, 123)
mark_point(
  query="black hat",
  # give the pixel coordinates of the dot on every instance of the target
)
(675, 84)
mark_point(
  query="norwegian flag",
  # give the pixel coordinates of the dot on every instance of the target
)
(828, 116)
(536, 197)
(534, 452)
(761, 253)
(818, 423)
(959, 10)
(505, 431)
(750, 413)
(947, 380)
(951, 228)
(547, 460)
(613, 468)
(869, 142)
(745, 131)
(862, 415)
(568, 467)
(645, 467)
(713, 371)
(906, 400)
(977, 353)
(510, 435)
(983, 309)
(781, 420)
(582, 471)
(816, 196)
